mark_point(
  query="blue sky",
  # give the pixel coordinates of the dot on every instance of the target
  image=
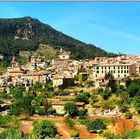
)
(113, 26)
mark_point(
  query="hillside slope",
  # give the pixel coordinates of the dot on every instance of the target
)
(25, 34)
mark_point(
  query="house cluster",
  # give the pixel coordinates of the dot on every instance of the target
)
(61, 71)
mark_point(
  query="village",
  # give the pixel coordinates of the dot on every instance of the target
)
(89, 84)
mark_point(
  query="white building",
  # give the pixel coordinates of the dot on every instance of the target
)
(118, 70)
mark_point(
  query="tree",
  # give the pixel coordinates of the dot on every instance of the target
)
(71, 108)
(37, 86)
(83, 97)
(109, 77)
(17, 92)
(133, 90)
(49, 86)
(106, 94)
(112, 82)
(43, 130)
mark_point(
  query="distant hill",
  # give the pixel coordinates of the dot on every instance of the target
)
(25, 34)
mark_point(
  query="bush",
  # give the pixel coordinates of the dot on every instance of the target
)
(123, 108)
(128, 115)
(74, 133)
(109, 135)
(131, 134)
(3, 95)
(44, 129)
(51, 111)
(69, 122)
(8, 121)
(71, 108)
(82, 112)
(12, 133)
(83, 120)
(57, 136)
(40, 111)
(83, 97)
(94, 125)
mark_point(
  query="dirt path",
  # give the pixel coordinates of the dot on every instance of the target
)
(63, 131)
(123, 125)
(26, 126)
(84, 134)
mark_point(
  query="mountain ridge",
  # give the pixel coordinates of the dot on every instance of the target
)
(26, 33)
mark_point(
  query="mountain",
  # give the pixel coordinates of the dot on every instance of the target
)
(25, 34)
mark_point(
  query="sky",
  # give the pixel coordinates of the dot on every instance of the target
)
(112, 26)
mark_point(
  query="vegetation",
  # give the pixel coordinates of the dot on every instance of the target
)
(82, 97)
(71, 108)
(74, 133)
(69, 122)
(9, 121)
(43, 130)
(131, 134)
(39, 33)
(95, 125)
(12, 133)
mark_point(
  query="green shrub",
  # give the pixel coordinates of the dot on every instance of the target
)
(82, 112)
(8, 121)
(94, 125)
(40, 111)
(128, 115)
(51, 111)
(44, 129)
(57, 136)
(83, 120)
(109, 135)
(3, 95)
(69, 122)
(131, 134)
(74, 133)
(12, 133)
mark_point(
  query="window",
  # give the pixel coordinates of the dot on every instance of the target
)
(121, 71)
(124, 67)
(97, 67)
(118, 71)
(118, 67)
(114, 67)
(109, 67)
(127, 71)
(102, 71)
(124, 71)
(125, 75)
(97, 71)
(121, 67)
(114, 71)
(118, 75)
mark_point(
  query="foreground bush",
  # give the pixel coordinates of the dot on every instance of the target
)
(12, 133)
(44, 129)
(74, 133)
